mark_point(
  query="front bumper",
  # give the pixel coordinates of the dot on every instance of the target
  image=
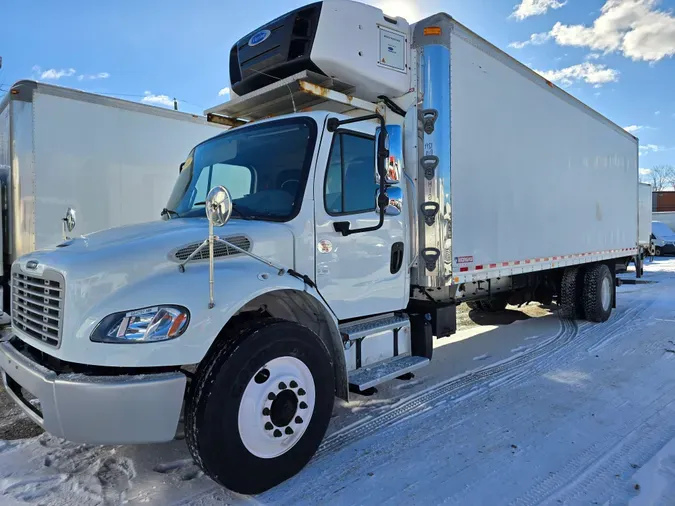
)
(95, 409)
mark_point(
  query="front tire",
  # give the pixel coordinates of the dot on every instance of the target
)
(260, 404)
(598, 293)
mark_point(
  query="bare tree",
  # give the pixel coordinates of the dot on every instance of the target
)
(671, 176)
(662, 177)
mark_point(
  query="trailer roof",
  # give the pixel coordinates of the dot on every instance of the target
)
(24, 90)
(484, 45)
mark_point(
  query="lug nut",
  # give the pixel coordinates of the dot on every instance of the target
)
(282, 386)
(303, 405)
(277, 433)
(289, 431)
(269, 426)
(298, 420)
(271, 396)
(301, 391)
(294, 384)
(266, 412)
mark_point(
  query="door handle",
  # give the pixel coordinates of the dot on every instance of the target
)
(397, 250)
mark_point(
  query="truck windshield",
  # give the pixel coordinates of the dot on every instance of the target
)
(265, 168)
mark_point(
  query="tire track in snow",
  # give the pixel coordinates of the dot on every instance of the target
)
(571, 337)
(454, 389)
(635, 441)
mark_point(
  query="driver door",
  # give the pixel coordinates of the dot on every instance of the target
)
(364, 273)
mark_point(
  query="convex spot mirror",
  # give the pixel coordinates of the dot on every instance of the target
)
(395, 205)
(393, 167)
(218, 206)
(70, 219)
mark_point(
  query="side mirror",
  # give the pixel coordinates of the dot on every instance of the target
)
(68, 222)
(394, 164)
(218, 206)
(394, 205)
(180, 167)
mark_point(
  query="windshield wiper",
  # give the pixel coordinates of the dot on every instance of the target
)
(236, 209)
(169, 213)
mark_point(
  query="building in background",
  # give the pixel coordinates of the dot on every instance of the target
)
(663, 201)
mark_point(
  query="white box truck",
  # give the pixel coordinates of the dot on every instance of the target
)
(112, 161)
(645, 219)
(667, 217)
(381, 174)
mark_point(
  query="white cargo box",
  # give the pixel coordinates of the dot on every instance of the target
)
(537, 179)
(645, 214)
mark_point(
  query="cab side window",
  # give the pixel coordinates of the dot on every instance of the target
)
(350, 178)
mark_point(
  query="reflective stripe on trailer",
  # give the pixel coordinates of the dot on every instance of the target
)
(530, 261)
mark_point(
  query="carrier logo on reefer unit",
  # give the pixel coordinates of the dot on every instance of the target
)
(259, 38)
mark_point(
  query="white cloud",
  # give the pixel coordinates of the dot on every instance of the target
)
(636, 28)
(657, 113)
(53, 74)
(649, 148)
(151, 98)
(91, 77)
(536, 39)
(645, 172)
(633, 128)
(590, 73)
(593, 56)
(527, 8)
(225, 92)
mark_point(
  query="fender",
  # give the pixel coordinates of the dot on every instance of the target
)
(188, 289)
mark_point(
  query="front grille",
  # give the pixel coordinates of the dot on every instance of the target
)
(219, 249)
(37, 305)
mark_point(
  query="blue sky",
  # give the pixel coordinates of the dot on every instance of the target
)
(615, 55)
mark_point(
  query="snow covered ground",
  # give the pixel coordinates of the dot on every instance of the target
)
(537, 412)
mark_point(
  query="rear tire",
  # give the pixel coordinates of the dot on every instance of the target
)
(569, 299)
(488, 305)
(494, 305)
(260, 404)
(598, 293)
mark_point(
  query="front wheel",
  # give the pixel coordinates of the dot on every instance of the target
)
(260, 404)
(657, 252)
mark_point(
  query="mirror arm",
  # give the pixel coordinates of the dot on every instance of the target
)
(382, 155)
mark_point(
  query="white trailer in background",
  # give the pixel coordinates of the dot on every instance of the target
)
(113, 161)
(379, 174)
(645, 219)
(667, 217)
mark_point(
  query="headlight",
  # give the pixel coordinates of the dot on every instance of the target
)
(149, 325)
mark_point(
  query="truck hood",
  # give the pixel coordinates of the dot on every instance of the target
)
(97, 265)
(162, 237)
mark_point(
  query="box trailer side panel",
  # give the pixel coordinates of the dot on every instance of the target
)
(645, 214)
(536, 175)
(114, 166)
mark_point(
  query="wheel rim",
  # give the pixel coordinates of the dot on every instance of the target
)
(276, 407)
(606, 293)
